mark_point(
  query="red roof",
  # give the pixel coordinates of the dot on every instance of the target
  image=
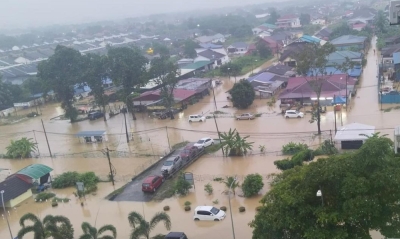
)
(269, 40)
(182, 94)
(179, 94)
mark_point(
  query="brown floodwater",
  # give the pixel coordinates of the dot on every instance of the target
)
(154, 137)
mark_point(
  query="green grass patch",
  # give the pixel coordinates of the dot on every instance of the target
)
(43, 196)
(57, 199)
(166, 190)
(387, 110)
(179, 145)
(250, 62)
(397, 107)
(212, 148)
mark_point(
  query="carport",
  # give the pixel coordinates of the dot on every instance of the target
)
(352, 136)
(92, 136)
(35, 173)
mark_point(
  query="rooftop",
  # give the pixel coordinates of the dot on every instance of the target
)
(35, 171)
(90, 133)
(348, 39)
(196, 65)
(13, 187)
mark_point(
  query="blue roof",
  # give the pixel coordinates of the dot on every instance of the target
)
(396, 57)
(90, 133)
(339, 100)
(330, 70)
(209, 46)
(310, 39)
(262, 77)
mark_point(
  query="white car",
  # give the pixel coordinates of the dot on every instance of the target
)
(208, 213)
(204, 142)
(196, 118)
(293, 114)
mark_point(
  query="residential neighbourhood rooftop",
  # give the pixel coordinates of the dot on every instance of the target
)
(348, 39)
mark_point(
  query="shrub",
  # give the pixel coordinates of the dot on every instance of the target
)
(69, 179)
(187, 203)
(32, 114)
(252, 184)
(223, 208)
(216, 201)
(258, 208)
(326, 148)
(166, 208)
(296, 160)
(182, 186)
(293, 148)
(43, 196)
(218, 179)
(187, 208)
(242, 209)
(284, 164)
(54, 204)
(208, 188)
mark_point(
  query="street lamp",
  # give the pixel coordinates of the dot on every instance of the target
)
(5, 213)
(230, 208)
(229, 75)
(252, 67)
(319, 194)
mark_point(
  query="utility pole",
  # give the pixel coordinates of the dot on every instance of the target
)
(334, 111)
(6, 213)
(347, 77)
(169, 145)
(107, 153)
(47, 140)
(126, 127)
(215, 121)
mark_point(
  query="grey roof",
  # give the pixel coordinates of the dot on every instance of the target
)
(197, 84)
(13, 187)
(90, 133)
(209, 54)
(325, 32)
(348, 39)
(33, 55)
(279, 69)
(388, 51)
(239, 45)
(339, 57)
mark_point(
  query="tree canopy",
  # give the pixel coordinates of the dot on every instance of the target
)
(273, 17)
(305, 19)
(189, 47)
(359, 191)
(242, 94)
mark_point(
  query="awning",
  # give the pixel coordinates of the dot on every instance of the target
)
(35, 171)
(354, 131)
(339, 100)
(90, 133)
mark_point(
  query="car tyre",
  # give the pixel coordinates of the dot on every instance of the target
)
(216, 219)
(196, 219)
(212, 143)
(201, 120)
(287, 117)
(299, 116)
(190, 121)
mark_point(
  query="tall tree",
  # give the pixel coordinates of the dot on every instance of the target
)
(60, 73)
(273, 16)
(242, 94)
(235, 145)
(56, 227)
(94, 73)
(359, 193)
(5, 95)
(34, 85)
(166, 74)
(142, 228)
(381, 22)
(263, 50)
(90, 232)
(313, 59)
(21, 148)
(305, 19)
(189, 48)
(231, 183)
(127, 68)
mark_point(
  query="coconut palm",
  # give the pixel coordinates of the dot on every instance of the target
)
(142, 228)
(235, 145)
(231, 182)
(90, 232)
(56, 227)
(21, 148)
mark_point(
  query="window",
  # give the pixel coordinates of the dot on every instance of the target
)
(205, 213)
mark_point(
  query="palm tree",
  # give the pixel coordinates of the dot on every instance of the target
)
(90, 232)
(21, 148)
(235, 145)
(56, 227)
(231, 182)
(142, 228)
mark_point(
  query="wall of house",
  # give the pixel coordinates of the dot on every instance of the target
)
(295, 23)
(16, 201)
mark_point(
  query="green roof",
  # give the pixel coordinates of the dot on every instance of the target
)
(269, 25)
(197, 65)
(35, 171)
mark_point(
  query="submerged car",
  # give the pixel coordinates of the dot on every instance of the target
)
(151, 183)
(204, 142)
(208, 213)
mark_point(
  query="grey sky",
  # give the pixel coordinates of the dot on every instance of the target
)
(27, 13)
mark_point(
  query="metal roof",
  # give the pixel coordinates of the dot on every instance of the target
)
(90, 133)
(35, 171)
(396, 58)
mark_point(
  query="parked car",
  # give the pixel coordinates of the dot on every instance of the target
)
(204, 142)
(208, 213)
(196, 118)
(176, 235)
(171, 164)
(151, 183)
(246, 116)
(95, 115)
(293, 114)
(189, 152)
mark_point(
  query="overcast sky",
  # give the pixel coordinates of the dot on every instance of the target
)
(27, 13)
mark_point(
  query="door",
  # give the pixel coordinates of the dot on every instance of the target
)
(354, 144)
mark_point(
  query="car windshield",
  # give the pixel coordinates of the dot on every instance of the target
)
(297, 112)
(214, 211)
(200, 141)
(168, 163)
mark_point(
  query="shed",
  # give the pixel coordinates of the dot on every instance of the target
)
(92, 136)
(352, 136)
(16, 190)
(35, 173)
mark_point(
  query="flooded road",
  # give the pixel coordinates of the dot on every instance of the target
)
(154, 137)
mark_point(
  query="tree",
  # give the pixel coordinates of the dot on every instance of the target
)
(263, 50)
(21, 148)
(273, 16)
(94, 73)
(313, 58)
(231, 183)
(60, 72)
(231, 69)
(235, 145)
(182, 186)
(90, 232)
(381, 22)
(305, 19)
(189, 48)
(242, 94)
(142, 228)
(56, 227)
(359, 192)
(165, 73)
(252, 184)
(34, 86)
(128, 69)
(5, 95)
(161, 49)
(241, 31)
(311, 29)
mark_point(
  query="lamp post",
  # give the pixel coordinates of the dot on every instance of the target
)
(319, 194)
(252, 67)
(230, 208)
(5, 213)
(229, 75)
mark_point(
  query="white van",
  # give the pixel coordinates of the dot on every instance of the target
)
(208, 213)
(293, 114)
(196, 118)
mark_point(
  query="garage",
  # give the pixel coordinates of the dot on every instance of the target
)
(352, 136)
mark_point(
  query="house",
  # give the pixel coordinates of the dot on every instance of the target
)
(16, 190)
(191, 70)
(280, 70)
(396, 63)
(339, 57)
(251, 49)
(350, 42)
(275, 46)
(200, 85)
(217, 38)
(210, 46)
(312, 39)
(387, 55)
(214, 56)
(289, 54)
(267, 84)
(355, 72)
(318, 21)
(81, 90)
(299, 89)
(324, 33)
(288, 21)
(265, 29)
(392, 40)
(283, 37)
(358, 26)
(352, 136)
(35, 173)
(364, 15)
(238, 48)
(152, 100)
